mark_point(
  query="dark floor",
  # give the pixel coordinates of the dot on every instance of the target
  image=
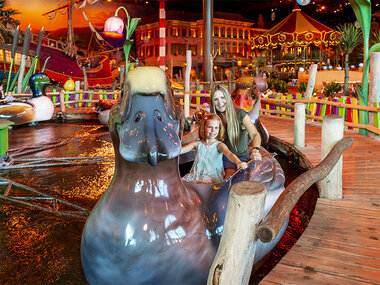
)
(37, 247)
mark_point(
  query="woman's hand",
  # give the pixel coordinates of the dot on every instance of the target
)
(255, 155)
(242, 165)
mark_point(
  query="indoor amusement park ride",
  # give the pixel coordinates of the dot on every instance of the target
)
(150, 227)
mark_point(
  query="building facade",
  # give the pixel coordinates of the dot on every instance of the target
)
(184, 31)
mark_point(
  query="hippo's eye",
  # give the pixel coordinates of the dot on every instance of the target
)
(157, 115)
(246, 97)
(238, 97)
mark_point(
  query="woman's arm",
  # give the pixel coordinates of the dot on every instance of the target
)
(231, 156)
(189, 147)
(254, 135)
(190, 137)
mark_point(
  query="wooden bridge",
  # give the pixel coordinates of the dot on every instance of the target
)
(341, 244)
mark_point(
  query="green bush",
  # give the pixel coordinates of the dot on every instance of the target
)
(332, 88)
(301, 88)
(271, 82)
(281, 86)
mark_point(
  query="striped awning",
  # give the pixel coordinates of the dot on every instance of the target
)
(297, 29)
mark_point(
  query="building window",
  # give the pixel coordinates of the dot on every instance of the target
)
(234, 33)
(193, 49)
(216, 44)
(221, 51)
(181, 49)
(228, 32)
(234, 48)
(184, 33)
(216, 32)
(222, 32)
(228, 47)
(193, 33)
(241, 50)
(240, 34)
(174, 32)
(156, 50)
(246, 34)
(150, 51)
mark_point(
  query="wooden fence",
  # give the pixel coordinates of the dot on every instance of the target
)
(318, 107)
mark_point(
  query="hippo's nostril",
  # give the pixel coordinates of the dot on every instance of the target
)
(137, 117)
(158, 116)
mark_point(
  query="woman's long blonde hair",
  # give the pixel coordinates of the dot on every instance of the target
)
(233, 128)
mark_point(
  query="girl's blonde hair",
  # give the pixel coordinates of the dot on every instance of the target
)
(207, 117)
(233, 127)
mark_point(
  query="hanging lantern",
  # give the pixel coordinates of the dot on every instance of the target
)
(114, 27)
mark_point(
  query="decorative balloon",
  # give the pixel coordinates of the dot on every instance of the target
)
(69, 85)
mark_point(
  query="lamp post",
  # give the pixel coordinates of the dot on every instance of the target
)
(114, 27)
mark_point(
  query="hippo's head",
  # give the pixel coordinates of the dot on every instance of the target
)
(147, 123)
(247, 91)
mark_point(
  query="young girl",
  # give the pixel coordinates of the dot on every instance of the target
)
(208, 163)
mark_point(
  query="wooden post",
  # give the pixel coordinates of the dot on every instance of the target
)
(299, 125)
(234, 259)
(311, 81)
(85, 82)
(187, 84)
(62, 101)
(332, 132)
(76, 96)
(374, 82)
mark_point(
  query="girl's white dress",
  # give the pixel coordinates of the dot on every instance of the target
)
(207, 166)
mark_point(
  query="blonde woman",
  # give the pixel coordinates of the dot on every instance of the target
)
(238, 125)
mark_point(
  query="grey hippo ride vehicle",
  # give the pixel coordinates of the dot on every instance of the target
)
(150, 227)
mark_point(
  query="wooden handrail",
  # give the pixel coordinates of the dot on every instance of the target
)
(272, 223)
(332, 103)
(318, 118)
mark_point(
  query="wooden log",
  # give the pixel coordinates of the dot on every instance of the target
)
(311, 82)
(62, 101)
(271, 225)
(332, 132)
(299, 125)
(234, 259)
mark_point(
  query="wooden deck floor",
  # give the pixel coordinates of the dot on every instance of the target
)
(341, 245)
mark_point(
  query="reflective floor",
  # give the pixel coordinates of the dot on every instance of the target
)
(38, 247)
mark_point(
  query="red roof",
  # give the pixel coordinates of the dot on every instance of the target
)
(298, 22)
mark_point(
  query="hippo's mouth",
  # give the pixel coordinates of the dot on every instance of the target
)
(148, 131)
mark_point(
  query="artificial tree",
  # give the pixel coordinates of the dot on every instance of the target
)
(350, 38)
(362, 10)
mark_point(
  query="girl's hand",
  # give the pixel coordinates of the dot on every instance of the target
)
(242, 165)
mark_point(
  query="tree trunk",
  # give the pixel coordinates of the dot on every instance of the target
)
(346, 74)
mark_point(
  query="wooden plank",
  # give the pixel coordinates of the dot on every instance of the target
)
(341, 244)
(330, 264)
(290, 275)
(338, 247)
(344, 238)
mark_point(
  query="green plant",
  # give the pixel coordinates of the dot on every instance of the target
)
(271, 83)
(350, 38)
(362, 10)
(301, 88)
(332, 88)
(281, 86)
